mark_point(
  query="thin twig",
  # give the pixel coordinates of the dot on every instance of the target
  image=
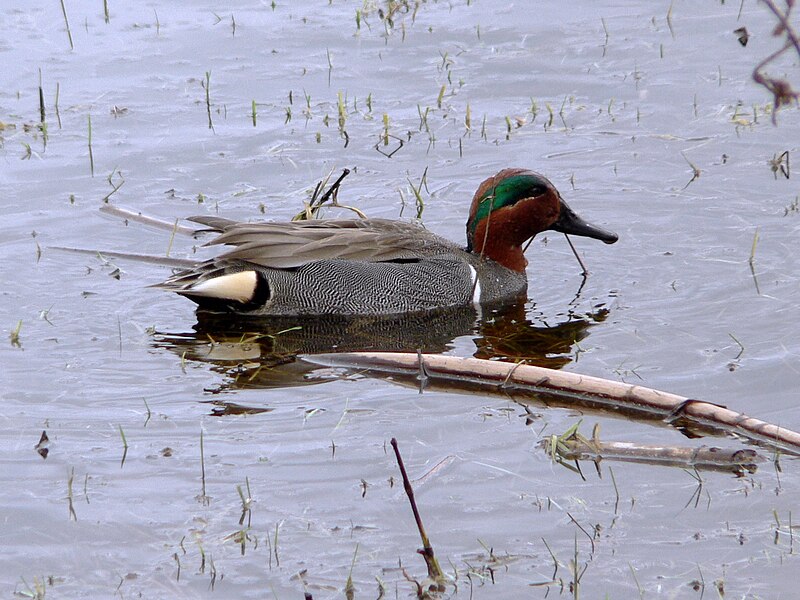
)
(577, 256)
(434, 571)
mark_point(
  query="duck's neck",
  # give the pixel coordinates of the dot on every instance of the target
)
(498, 247)
(508, 229)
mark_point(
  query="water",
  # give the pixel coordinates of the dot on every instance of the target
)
(668, 306)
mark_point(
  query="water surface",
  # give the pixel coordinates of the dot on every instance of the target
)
(613, 101)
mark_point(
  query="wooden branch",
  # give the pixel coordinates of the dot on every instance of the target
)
(570, 389)
(574, 446)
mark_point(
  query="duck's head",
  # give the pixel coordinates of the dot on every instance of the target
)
(512, 207)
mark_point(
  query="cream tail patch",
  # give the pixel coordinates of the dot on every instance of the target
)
(239, 286)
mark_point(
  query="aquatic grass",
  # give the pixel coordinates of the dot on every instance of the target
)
(66, 22)
(417, 191)
(341, 110)
(349, 588)
(44, 315)
(149, 414)
(751, 261)
(440, 97)
(42, 119)
(577, 573)
(119, 323)
(698, 492)
(779, 530)
(172, 238)
(699, 585)
(91, 155)
(423, 118)
(307, 110)
(73, 516)
(207, 86)
(385, 135)
(555, 561)
(382, 587)
(669, 19)
(14, 335)
(37, 592)
(695, 172)
(202, 551)
(105, 11)
(549, 123)
(636, 580)
(114, 186)
(246, 503)
(561, 112)
(212, 572)
(274, 548)
(738, 343)
(203, 497)
(58, 114)
(779, 163)
(124, 446)
(793, 207)
(616, 490)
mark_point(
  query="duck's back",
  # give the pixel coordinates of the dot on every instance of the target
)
(296, 243)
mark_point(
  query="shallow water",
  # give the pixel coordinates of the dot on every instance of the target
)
(667, 306)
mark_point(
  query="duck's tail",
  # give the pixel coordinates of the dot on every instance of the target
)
(166, 261)
(213, 223)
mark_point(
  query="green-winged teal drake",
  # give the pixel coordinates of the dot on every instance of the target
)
(380, 266)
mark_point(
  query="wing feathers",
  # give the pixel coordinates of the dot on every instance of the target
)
(291, 245)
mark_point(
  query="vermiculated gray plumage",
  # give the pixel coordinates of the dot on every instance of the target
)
(345, 267)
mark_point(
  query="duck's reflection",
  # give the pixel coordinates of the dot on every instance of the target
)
(262, 353)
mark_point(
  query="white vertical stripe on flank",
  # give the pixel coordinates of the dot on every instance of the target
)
(476, 285)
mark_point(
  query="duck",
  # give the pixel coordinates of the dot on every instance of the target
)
(379, 266)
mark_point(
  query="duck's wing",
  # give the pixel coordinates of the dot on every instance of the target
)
(293, 244)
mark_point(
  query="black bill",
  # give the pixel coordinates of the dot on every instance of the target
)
(569, 222)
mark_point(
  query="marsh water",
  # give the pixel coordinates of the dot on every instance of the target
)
(162, 424)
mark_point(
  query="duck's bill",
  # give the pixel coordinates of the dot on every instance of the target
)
(569, 222)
